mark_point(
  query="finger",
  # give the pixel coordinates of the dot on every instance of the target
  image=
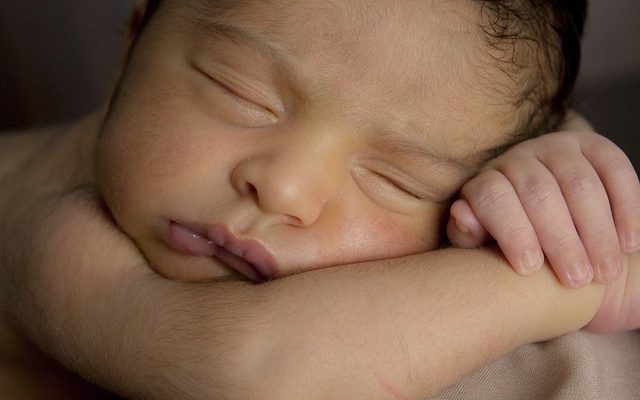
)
(464, 229)
(549, 214)
(497, 207)
(589, 206)
(623, 189)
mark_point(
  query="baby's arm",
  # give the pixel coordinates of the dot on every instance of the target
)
(390, 329)
(573, 195)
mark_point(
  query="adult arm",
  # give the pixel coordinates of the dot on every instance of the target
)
(400, 329)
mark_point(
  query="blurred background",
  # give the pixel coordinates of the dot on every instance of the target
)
(57, 62)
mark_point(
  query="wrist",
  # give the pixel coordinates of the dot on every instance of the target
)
(567, 309)
(618, 311)
(454, 309)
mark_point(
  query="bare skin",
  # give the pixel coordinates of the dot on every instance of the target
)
(79, 289)
(34, 163)
(124, 317)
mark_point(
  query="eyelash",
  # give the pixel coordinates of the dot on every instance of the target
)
(384, 190)
(398, 186)
(238, 96)
(251, 108)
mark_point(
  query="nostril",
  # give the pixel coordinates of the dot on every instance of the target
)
(251, 190)
(295, 221)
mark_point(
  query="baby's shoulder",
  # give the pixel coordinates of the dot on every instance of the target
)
(28, 162)
(49, 159)
(16, 147)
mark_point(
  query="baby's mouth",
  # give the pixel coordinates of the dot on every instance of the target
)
(239, 264)
(246, 257)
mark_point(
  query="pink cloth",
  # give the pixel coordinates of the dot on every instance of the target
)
(581, 366)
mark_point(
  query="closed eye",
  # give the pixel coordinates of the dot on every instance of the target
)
(244, 109)
(237, 96)
(387, 192)
(400, 187)
(408, 179)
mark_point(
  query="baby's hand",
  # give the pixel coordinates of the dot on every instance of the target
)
(572, 195)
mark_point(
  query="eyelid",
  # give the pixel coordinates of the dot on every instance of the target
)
(383, 192)
(401, 179)
(239, 96)
(236, 87)
(397, 185)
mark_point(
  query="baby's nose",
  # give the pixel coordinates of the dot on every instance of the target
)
(289, 183)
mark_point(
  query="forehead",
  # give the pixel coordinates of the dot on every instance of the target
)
(415, 60)
(358, 40)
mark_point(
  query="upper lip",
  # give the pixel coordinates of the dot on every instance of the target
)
(249, 250)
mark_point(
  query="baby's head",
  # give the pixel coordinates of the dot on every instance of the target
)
(271, 137)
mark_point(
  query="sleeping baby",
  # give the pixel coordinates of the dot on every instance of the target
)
(280, 142)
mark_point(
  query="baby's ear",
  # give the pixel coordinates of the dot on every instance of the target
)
(134, 26)
(132, 29)
(135, 22)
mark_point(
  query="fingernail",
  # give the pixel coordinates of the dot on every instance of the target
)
(530, 261)
(609, 269)
(631, 242)
(580, 274)
(462, 228)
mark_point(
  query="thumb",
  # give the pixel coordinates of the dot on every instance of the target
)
(464, 228)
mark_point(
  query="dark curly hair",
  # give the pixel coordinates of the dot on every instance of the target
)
(537, 41)
(537, 44)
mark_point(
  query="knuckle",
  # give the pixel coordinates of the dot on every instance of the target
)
(579, 184)
(534, 191)
(565, 245)
(518, 235)
(596, 139)
(603, 239)
(490, 192)
(584, 135)
(620, 169)
(561, 140)
(581, 137)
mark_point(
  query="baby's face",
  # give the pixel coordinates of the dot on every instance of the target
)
(285, 136)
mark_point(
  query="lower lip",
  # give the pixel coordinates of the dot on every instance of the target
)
(191, 243)
(239, 265)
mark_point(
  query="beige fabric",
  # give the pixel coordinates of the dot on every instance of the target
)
(581, 366)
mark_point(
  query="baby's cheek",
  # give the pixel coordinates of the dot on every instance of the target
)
(391, 236)
(406, 236)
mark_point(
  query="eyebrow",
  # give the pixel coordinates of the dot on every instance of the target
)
(400, 141)
(406, 142)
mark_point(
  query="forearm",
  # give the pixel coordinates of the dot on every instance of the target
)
(412, 325)
(415, 325)
(83, 293)
(410, 328)
(403, 328)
